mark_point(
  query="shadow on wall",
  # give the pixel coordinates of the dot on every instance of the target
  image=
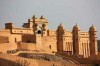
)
(28, 38)
(5, 62)
(99, 45)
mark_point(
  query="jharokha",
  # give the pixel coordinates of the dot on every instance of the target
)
(35, 35)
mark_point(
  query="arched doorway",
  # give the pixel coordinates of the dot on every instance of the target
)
(39, 32)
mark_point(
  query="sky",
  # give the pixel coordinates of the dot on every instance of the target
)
(68, 12)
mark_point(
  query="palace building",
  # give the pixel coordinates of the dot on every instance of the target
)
(35, 35)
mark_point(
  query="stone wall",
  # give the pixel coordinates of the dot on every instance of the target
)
(4, 47)
(49, 43)
(26, 46)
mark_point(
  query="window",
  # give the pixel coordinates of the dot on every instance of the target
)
(39, 32)
(15, 40)
(49, 46)
(21, 31)
(28, 41)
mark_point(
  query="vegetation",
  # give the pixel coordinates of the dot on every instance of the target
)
(46, 57)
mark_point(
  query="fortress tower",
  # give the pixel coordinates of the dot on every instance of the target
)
(38, 25)
(76, 38)
(60, 34)
(93, 41)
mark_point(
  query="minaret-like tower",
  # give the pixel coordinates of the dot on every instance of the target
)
(37, 25)
(93, 41)
(43, 25)
(76, 31)
(60, 33)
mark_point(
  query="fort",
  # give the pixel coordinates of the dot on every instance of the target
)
(34, 36)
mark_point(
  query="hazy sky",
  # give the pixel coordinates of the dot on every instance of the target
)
(69, 12)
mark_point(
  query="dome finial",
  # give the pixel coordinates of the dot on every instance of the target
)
(42, 17)
(76, 27)
(93, 28)
(92, 25)
(76, 23)
(60, 24)
(34, 17)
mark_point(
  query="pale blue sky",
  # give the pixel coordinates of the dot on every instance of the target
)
(84, 12)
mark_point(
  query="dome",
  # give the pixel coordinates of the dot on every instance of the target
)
(34, 17)
(42, 17)
(60, 26)
(92, 28)
(76, 27)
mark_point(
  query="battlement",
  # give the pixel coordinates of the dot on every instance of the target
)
(9, 25)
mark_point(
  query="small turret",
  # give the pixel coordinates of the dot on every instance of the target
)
(92, 32)
(93, 41)
(42, 17)
(34, 17)
(76, 27)
(60, 27)
(76, 32)
(60, 34)
(92, 28)
(9, 25)
(44, 26)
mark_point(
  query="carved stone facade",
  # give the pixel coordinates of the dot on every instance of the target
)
(35, 35)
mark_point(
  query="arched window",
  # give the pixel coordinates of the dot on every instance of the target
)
(39, 32)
